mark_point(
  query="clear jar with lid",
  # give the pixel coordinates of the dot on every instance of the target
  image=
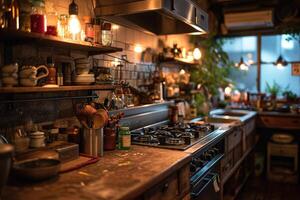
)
(106, 34)
(38, 22)
(124, 141)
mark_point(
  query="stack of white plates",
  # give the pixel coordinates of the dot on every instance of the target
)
(83, 77)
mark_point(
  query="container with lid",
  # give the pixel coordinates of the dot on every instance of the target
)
(124, 142)
(106, 34)
(89, 29)
(37, 139)
(38, 22)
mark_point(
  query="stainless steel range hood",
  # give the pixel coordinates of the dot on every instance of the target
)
(160, 17)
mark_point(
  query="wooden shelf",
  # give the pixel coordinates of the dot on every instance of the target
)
(11, 90)
(178, 61)
(22, 37)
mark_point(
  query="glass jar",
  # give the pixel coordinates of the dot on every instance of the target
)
(38, 22)
(124, 142)
(62, 27)
(106, 34)
(52, 22)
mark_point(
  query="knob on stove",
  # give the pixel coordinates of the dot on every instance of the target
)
(193, 167)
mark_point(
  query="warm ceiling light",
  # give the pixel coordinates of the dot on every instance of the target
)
(197, 54)
(280, 62)
(74, 23)
(138, 48)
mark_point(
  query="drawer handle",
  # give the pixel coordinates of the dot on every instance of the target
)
(165, 187)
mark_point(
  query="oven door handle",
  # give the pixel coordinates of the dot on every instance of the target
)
(209, 181)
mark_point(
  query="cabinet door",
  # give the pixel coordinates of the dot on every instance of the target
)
(234, 139)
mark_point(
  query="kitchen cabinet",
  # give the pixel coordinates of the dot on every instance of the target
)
(176, 186)
(234, 171)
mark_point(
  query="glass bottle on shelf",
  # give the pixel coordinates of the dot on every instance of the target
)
(9, 14)
(38, 22)
(106, 34)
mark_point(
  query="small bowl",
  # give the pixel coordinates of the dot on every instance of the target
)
(37, 169)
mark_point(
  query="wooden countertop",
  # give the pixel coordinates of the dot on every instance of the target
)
(118, 175)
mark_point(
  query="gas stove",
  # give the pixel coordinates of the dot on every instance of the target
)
(179, 136)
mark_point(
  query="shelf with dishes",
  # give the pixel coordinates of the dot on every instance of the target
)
(22, 37)
(7, 90)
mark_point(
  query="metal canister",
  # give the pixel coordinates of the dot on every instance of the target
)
(6, 153)
(93, 141)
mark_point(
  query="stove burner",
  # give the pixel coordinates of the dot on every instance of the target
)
(172, 135)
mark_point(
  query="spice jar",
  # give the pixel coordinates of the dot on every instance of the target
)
(124, 141)
(110, 138)
(38, 18)
(37, 139)
(89, 29)
(106, 34)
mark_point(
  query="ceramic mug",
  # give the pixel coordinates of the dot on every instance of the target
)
(28, 75)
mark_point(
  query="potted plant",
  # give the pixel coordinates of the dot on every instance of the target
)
(273, 90)
(212, 72)
(289, 95)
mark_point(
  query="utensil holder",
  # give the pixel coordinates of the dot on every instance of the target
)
(93, 141)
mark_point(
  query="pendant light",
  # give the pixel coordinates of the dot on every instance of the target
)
(242, 65)
(74, 23)
(280, 62)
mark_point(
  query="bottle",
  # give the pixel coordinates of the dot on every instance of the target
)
(124, 142)
(97, 30)
(106, 34)
(51, 79)
(11, 15)
(38, 22)
(193, 108)
(60, 76)
(52, 21)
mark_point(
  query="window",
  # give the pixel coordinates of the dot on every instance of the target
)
(245, 47)
(272, 47)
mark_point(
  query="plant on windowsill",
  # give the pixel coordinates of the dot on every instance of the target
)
(212, 72)
(273, 90)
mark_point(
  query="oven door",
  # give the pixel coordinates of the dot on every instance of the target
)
(207, 188)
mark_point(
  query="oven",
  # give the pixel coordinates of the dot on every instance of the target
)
(205, 171)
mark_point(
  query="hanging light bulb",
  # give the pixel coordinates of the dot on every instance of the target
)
(74, 23)
(197, 54)
(280, 62)
(242, 65)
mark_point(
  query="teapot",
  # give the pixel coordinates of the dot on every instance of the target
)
(28, 75)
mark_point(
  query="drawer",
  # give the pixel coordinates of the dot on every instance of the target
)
(278, 122)
(234, 139)
(282, 150)
(226, 163)
(166, 190)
